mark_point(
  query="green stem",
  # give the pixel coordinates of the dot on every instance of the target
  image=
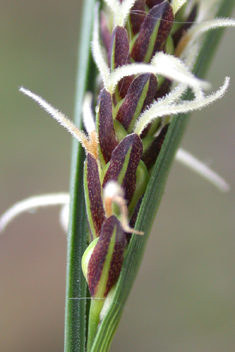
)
(76, 289)
(94, 317)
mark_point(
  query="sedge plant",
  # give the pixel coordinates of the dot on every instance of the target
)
(138, 80)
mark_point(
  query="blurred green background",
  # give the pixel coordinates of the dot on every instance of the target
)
(184, 297)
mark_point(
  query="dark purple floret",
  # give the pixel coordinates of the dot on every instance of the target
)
(94, 193)
(117, 258)
(137, 15)
(119, 56)
(163, 13)
(128, 108)
(106, 132)
(99, 255)
(119, 48)
(130, 149)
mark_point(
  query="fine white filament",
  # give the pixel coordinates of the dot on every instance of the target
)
(32, 204)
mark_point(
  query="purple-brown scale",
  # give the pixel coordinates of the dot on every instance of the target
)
(127, 109)
(163, 13)
(137, 16)
(133, 143)
(99, 255)
(165, 26)
(106, 132)
(152, 3)
(117, 258)
(118, 55)
(94, 194)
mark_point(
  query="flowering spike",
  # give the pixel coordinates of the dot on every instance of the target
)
(137, 63)
(93, 197)
(139, 96)
(153, 33)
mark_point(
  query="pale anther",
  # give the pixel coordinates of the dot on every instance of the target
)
(113, 193)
